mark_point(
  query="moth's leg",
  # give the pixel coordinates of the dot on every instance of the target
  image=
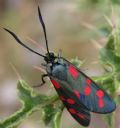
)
(43, 81)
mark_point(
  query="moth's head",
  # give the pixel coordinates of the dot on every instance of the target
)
(50, 57)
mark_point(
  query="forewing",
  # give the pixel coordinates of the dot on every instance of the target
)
(77, 110)
(87, 91)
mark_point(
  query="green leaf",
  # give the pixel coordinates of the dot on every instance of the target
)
(110, 118)
(31, 101)
(48, 113)
(77, 62)
(56, 121)
(117, 37)
(116, 1)
(107, 57)
(52, 114)
(110, 44)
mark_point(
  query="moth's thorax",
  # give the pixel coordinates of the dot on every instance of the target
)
(57, 69)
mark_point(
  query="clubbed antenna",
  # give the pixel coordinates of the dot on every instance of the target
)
(44, 29)
(20, 42)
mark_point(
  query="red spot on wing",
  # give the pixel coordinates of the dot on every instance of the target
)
(72, 111)
(77, 93)
(100, 93)
(55, 83)
(80, 115)
(70, 101)
(87, 90)
(73, 71)
(101, 103)
(88, 81)
(62, 98)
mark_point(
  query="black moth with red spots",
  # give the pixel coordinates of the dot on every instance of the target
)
(77, 91)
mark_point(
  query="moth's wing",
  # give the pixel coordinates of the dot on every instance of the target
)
(77, 110)
(87, 91)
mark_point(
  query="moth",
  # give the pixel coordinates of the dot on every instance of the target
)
(79, 93)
